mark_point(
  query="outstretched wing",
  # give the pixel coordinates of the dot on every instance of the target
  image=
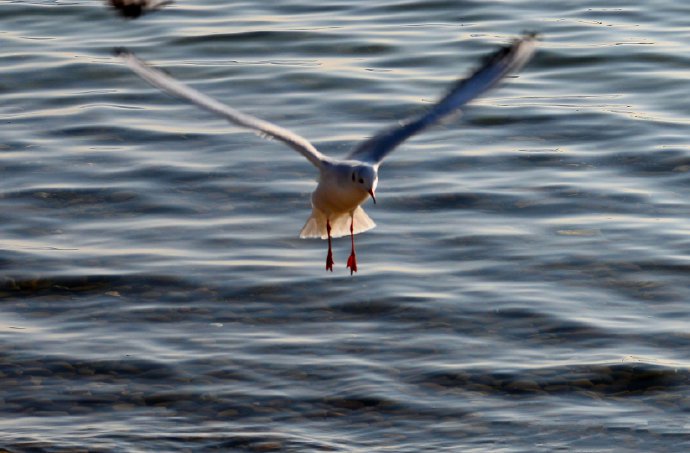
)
(495, 67)
(264, 128)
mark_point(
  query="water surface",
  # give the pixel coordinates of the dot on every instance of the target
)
(525, 289)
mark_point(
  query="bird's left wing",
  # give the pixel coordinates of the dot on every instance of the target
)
(495, 67)
(264, 128)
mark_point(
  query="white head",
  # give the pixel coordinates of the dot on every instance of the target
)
(365, 177)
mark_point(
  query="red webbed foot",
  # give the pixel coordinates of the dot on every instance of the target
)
(352, 260)
(352, 263)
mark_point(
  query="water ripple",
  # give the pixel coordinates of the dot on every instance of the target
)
(524, 290)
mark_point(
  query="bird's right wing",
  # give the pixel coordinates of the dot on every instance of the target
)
(166, 83)
(495, 68)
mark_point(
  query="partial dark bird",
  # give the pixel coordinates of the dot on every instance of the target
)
(131, 9)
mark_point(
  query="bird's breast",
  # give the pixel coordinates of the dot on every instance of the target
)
(335, 199)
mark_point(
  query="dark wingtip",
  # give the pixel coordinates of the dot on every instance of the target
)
(507, 49)
(121, 52)
(531, 34)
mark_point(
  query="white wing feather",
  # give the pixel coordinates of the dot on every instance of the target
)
(168, 84)
(495, 68)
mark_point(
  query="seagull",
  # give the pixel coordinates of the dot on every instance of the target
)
(345, 184)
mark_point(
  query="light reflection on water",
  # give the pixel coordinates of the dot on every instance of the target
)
(524, 290)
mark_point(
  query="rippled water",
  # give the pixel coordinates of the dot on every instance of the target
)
(525, 290)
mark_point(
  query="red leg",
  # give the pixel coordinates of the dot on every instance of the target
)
(329, 257)
(352, 260)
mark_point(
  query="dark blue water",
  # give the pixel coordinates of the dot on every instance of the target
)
(526, 288)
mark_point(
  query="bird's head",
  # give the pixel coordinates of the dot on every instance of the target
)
(365, 177)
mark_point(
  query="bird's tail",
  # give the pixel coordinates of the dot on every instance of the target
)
(340, 226)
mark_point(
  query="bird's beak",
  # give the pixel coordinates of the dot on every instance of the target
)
(373, 197)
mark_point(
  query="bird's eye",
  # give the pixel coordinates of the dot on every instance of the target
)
(361, 181)
(353, 177)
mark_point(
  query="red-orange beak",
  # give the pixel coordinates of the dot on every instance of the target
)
(373, 197)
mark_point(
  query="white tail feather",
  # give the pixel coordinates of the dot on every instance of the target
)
(340, 226)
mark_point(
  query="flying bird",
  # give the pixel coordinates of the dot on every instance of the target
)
(345, 184)
(131, 9)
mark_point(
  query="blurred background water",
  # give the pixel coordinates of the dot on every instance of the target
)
(525, 290)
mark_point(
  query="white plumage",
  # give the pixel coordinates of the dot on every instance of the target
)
(345, 184)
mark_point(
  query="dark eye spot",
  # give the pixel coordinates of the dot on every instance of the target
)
(361, 181)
